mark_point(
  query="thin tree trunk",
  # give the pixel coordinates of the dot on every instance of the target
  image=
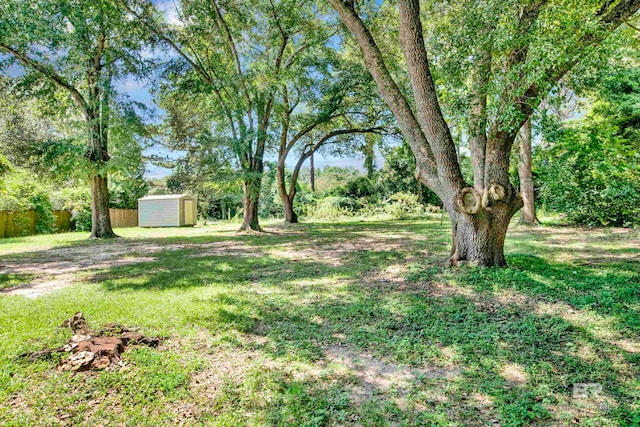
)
(312, 174)
(528, 215)
(478, 116)
(369, 155)
(290, 216)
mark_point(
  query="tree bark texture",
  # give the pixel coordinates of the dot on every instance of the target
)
(100, 219)
(480, 223)
(97, 154)
(528, 215)
(251, 199)
(290, 216)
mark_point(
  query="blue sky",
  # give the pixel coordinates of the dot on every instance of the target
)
(139, 91)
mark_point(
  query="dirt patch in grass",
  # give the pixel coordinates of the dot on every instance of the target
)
(377, 377)
(55, 269)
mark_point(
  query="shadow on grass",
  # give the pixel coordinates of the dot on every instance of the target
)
(302, 307)
(421, 329)
(607, 288)
(266, 296)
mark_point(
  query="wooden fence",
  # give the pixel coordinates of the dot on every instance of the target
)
(62, 221)
(19, 223)
(23, 223)
(123, 217)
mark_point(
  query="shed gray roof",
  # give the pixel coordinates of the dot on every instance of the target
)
(167, 196)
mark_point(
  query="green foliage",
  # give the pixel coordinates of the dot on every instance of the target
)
(22, 191)
(270, 203)
(206, 173)
(5, 166)
(349, 193)
(405, 206)
(45, 139)
(360, 187)
(330, 207)
(591, 170)
(77, 200)
(331, 177)
(129, 136)
(124, 192)
(398, 174)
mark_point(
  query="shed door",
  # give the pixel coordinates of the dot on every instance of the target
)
(188, 212)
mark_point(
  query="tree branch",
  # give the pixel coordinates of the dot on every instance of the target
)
(426, 168)
(429, 113)
(312, 148)
(49, 73)
(236, 57)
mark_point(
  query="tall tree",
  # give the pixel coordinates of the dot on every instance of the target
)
(80, 48)
(326, 110)
(480, 213)
(236, 53)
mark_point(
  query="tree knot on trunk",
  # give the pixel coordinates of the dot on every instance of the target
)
(497, 193)
(468, 201)
(97, 155)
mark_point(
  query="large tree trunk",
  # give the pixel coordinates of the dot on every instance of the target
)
(251, 200)
(528, 215)
(480, 223)
(478, 240)
(100, 219)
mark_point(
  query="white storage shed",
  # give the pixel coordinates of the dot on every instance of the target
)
(170, 210)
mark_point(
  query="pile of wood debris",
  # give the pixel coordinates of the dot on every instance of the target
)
(94, 351)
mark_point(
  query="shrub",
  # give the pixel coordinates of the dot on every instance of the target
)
(78, 201)
(404, 205)
(330, 207)
(593, 176)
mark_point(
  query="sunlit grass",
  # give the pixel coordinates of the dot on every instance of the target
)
(248, 333)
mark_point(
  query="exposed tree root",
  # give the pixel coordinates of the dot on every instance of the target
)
(107, 235)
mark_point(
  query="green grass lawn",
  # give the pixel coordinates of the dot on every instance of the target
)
(330, 324)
